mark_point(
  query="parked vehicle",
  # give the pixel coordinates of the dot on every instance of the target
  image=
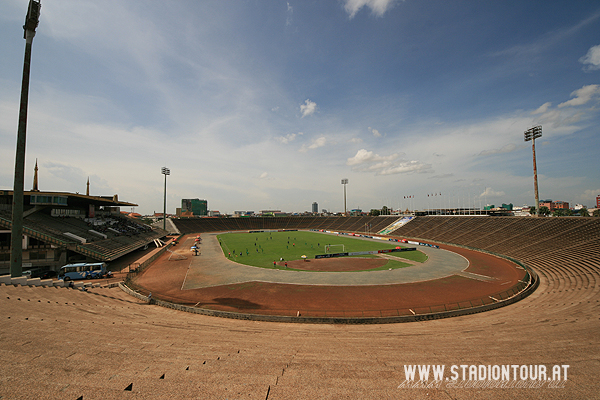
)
(82, 271)
(48, 274)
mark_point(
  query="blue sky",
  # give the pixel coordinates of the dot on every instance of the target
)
(258, 105)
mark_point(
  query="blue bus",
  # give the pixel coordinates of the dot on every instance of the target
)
(82, 271)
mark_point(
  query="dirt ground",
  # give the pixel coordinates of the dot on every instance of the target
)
(165, 278)
(340, 264)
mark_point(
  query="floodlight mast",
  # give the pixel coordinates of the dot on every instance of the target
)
(165, 171)
(32, 20)
(345, 182)
(530, 135)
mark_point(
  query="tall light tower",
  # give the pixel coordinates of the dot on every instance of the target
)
(16, 251)
(345, 182)
(530, 135)
(165, 171)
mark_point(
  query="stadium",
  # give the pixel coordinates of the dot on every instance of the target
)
(110, 343)
(414, 306)
(448, 281)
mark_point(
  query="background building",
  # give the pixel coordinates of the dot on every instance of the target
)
(196, 206)
(546, 203)
(315, 208)
(554, 205)
(560, 205)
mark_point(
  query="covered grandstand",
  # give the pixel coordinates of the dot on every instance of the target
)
(61, 227)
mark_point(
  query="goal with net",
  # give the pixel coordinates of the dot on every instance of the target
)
(335, 248)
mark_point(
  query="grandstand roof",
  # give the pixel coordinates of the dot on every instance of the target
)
(77, 198)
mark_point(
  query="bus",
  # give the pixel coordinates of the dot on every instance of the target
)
(82, 271)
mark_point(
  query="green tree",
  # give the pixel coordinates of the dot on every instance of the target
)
(544, 210)
(584, 212)
(374, 212)
(562, 212)
(596, 212)
(385, 210)
(531, 210)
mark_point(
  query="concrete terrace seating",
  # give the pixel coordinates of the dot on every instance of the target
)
(124, 236)
(116, 246)
(518, 237)
(96, 344)
(53, 227)
(63, 343)
(566, 251)
(341, 224)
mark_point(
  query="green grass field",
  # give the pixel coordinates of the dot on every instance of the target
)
(261, 249)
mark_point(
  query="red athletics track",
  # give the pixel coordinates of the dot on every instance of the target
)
(165, 278)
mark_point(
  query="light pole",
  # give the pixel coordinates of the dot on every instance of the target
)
(530, 135)
(345, 182)
(16, 251)
(165, 171)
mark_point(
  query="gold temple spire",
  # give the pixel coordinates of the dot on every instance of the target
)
(35, 178)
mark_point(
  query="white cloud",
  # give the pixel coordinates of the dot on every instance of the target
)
(504, 149)
(363, 156)
(542, 109)
(573, 119)
(57, 171)
(559, 118)
(64, 171)
(316, 143)
(405, 167)
(591, 193)
(565, 115)
(489, 192)
(198, 91)
(319, 142)
(375, 132)
(591, 59)
(442, 176)
(378, 7)
(290, 137)
(265, 176)
(581, 96)
(367, 161)
(588, 197)
(290, 13)
(309, 108)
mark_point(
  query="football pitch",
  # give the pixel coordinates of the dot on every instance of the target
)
(263, 249)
